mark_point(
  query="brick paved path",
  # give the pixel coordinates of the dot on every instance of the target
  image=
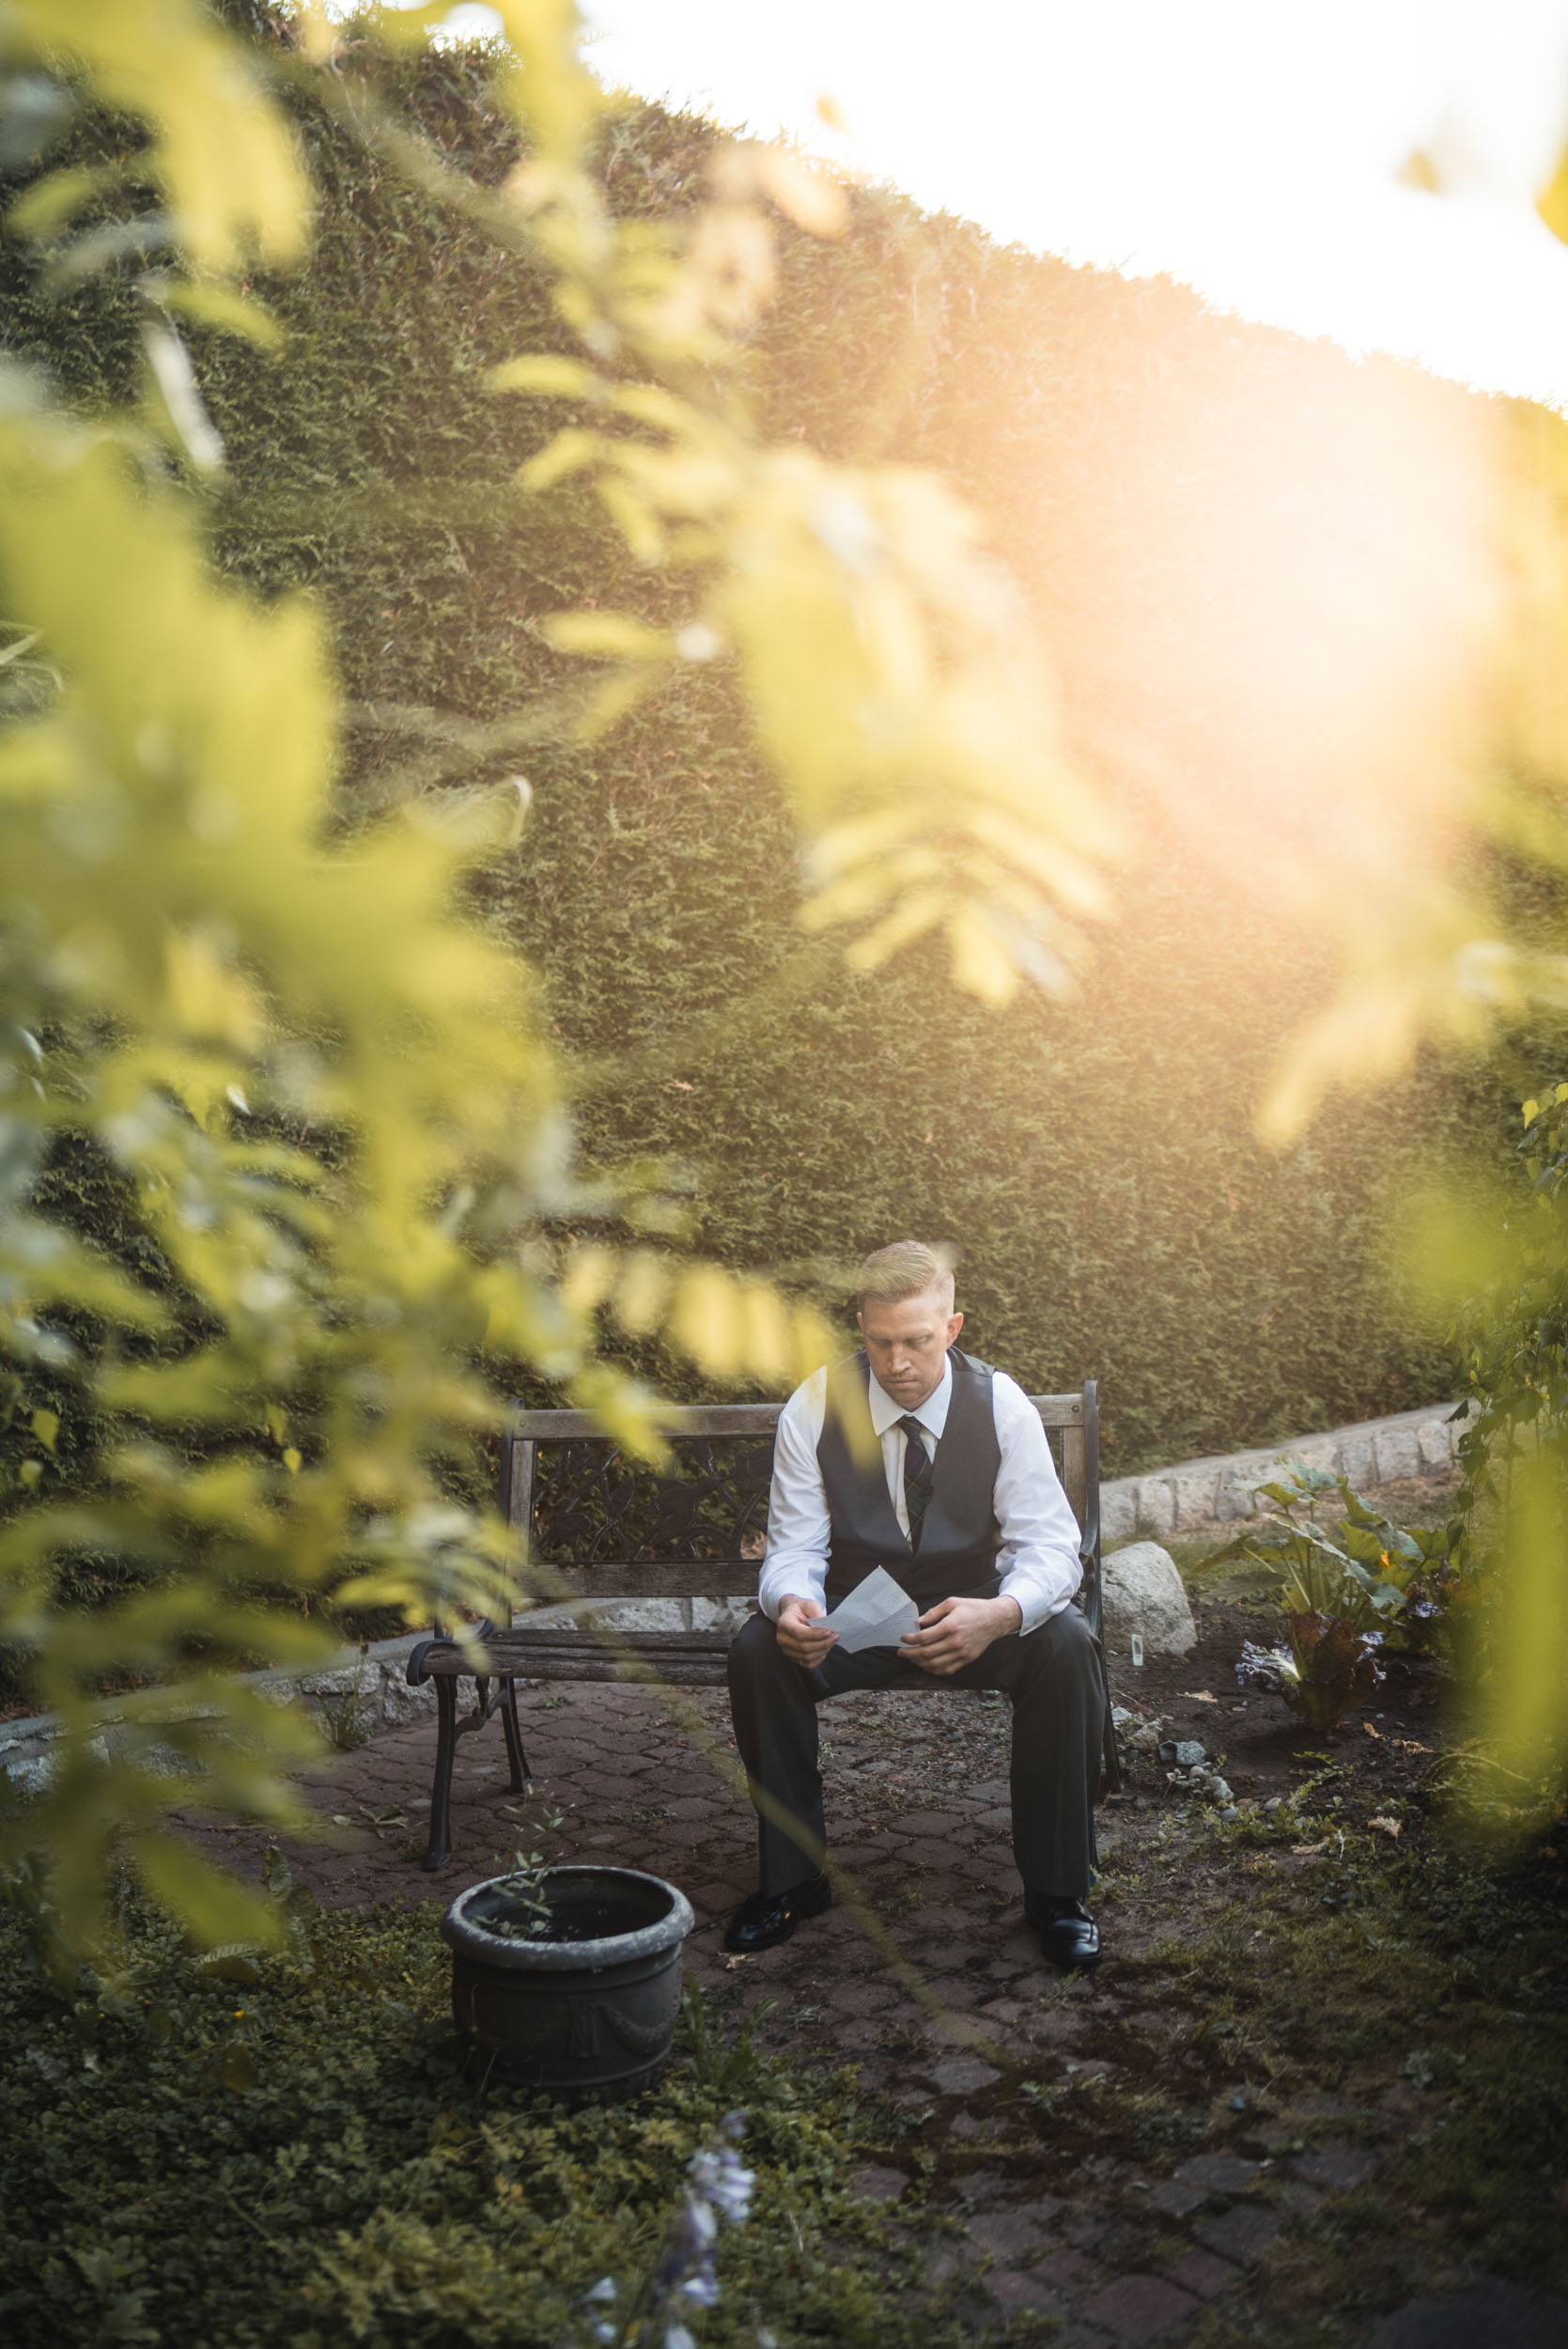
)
(918, 1810)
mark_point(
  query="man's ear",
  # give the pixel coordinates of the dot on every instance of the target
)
(955, 1323)
(859, 1322)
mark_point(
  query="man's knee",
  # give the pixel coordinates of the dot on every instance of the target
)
(1063, 1650)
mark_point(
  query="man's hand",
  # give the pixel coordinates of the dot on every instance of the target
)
(800, 1633)
(958, 1631)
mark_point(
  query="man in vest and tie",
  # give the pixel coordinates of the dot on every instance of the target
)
(913, 1456)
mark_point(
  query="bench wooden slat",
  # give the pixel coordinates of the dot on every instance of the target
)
(691, 1659)
(688, 1660)
(684, 1419)
(1061, 1414)
(710, 1578)
(728, 1419)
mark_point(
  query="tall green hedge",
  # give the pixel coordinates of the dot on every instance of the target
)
(1092, 1159)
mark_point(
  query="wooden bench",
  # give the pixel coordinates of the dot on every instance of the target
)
(601, 1527)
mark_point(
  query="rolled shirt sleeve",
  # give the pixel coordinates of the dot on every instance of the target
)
(1038, 1562)
(799, 1527)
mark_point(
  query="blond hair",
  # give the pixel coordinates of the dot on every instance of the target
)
(908, 1268)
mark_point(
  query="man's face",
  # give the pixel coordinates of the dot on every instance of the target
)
(908, 1343)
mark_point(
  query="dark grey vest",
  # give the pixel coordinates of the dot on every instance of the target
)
(959, 1537)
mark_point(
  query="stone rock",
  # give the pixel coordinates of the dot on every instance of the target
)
(164, 1760)
(1434, 1439)
(1157, 1506)
(720, 1614)
(1144, 1593)
(961, 2075)
(1118, 1510)
(340, 1681)
(1198, 1779)
(636, 1614)
(1336, 2167)
(1398, 1453)
(278, 1688)
(1196, 1492)
(401, 1703)
(1324, 1458)
(1355, 1463)
(34, 1774)
(1138, 2307)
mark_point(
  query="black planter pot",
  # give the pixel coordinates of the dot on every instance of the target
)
(589, 2011)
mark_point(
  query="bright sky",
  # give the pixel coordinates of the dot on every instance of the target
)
(1248, 146)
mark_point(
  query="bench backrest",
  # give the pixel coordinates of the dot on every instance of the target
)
(609, 1527)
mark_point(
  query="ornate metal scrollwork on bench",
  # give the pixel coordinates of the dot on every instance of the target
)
(592, 1505)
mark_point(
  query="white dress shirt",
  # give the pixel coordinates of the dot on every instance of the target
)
(1038, 1561)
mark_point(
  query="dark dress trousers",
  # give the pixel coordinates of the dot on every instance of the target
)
(1052, 1674)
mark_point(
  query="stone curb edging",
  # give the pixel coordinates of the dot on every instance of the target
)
(367, 1691)
(1189, 1493)
(372, 1689)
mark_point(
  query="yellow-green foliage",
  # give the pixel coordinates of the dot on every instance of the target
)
(286, 2152)
(324, 1092)
(1092, 1153)
(194, 977)
(324, 1086)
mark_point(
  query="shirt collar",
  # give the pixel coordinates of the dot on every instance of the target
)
(932, 1413)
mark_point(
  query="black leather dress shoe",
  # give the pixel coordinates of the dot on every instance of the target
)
(1069, 1936)
(768, 1918)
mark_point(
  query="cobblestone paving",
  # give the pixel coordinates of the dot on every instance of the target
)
(918, 1808)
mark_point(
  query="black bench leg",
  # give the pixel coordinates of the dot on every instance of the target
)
(439, 1849)
(1110, 1758)
(510, 1723)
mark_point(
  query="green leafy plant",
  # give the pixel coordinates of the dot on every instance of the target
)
(1363, 1570)
(1328, 1669)
(345, 1714)
(527, 1915)
(343, 1137)
(1510, 1280)
(1347, 1594)
(724, 2063)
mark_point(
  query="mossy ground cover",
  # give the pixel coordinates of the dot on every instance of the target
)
(286, 2152)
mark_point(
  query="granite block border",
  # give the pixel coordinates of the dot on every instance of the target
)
(367, 1689)
(371, 1685)
(1191, 1494)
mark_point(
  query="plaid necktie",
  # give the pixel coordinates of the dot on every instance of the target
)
(917, 1476)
